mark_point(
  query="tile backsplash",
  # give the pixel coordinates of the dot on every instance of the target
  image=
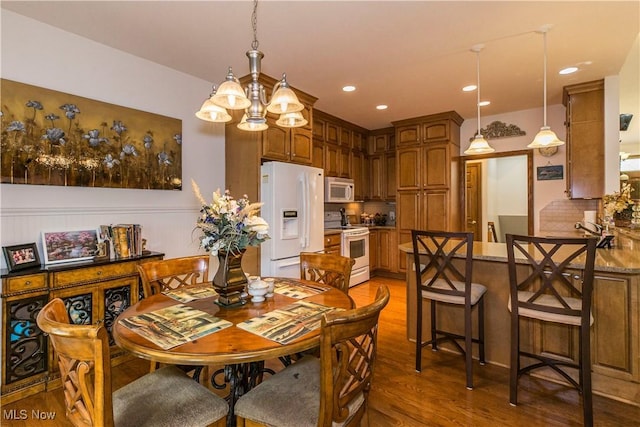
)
(561, 215)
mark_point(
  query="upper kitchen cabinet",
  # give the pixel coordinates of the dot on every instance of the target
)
(382, 165)
(584, 104)
(292, 145)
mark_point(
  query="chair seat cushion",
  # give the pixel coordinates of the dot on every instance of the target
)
(477, 291)
(290, 398)
(549, 301)
(166, 397)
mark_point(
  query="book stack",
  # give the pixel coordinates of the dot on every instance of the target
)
(125, 239)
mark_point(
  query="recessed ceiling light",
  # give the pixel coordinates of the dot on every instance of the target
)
(484, 103)
(381, 107)
(349, 88)
(469, 88)
(568, 70)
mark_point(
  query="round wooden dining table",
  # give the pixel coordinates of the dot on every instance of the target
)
(241, 352)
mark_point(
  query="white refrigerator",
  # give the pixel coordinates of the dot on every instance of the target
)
(293, 206)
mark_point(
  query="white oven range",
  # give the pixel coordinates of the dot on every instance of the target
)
(354, 244)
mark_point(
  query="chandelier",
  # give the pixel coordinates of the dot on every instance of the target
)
(253, 99)
(546, 137)
(479, 145)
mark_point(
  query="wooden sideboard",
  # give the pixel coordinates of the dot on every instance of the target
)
(93, 291)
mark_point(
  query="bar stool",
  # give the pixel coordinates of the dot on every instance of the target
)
(547, 292)
(440, 281)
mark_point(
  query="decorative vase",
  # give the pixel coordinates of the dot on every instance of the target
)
(229, 281)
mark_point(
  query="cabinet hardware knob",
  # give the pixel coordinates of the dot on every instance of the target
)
(27, 283)
(99, 273)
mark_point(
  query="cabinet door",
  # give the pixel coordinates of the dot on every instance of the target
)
(275, 144)
(317, 159)
(437, 166)
(357, 160)
(25, 346)
(408, 205)
(437, 131)
(344, 163)
(384, 245)
(332, 134)
(115, 297)
(331, 160)
(585, 150)
(409, 168)
(301, 146)
(319, 129)
(345, 138)
(408, 135)
(435, 210)
(378, 144)
(373, 249)
(376, 170)
(357, 141)
(390, 176)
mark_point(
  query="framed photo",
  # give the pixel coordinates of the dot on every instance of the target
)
(21, 256)
(546, 173)
(66, 246)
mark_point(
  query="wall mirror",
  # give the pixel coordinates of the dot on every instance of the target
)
(497, 194)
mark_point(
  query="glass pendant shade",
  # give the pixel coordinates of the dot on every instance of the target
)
(283, 101)
(291, 120)
(252, 125)
(545, 138)
(479, 145)
(213, 113)
(230, 94)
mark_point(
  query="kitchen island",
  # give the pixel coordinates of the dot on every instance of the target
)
(615, 342)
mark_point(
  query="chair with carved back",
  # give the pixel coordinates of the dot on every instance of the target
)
(551, 280)
(442, 281)
(330, 391)
(330, 269)
(170, 274)
(165, 397)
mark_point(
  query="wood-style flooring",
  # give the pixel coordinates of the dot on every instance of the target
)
(402, 397)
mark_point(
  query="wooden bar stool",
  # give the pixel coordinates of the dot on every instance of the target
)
(547, 291)
(440, 281)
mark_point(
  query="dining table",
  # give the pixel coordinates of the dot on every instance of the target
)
(240, 353)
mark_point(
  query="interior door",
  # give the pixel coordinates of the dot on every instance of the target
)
(474, 200)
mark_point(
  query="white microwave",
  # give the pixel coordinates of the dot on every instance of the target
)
(338, 190)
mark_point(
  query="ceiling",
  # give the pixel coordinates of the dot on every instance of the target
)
(413, 56)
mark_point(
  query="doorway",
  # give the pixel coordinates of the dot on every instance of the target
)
(498, 190)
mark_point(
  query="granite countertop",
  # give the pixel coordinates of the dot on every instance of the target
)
(625, 259)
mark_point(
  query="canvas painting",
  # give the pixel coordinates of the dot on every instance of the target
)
(54, 138)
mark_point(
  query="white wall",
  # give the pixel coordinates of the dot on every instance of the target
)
(41, 55)
(529, 121)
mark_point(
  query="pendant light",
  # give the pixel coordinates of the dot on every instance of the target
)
(252, 99)
(211, 112)
(479, 145)
(546, 137)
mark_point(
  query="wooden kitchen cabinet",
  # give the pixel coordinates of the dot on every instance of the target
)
(373, 250)
(427, 159)
(344, 164)
(382, 165)
(332, 156)
(293, 145)
(358, 160)
(92, 291)
(584, 104)
(333, 243)
(383, 250)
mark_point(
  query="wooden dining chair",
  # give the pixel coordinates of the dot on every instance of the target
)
(330, 391)
(168, 274)
(556, 287)
(330, 269)
(166, 397)
(440, 280)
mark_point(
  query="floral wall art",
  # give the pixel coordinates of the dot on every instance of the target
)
(54, 138)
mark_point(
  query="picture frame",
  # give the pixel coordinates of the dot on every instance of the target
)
(548, 173)
(20, 257)
(70, 245)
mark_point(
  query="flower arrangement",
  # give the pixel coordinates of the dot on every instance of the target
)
(618, 201)
(229, 225)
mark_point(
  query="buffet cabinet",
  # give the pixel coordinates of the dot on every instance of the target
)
(94, 291)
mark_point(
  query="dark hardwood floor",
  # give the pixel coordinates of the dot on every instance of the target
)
(402, 397)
